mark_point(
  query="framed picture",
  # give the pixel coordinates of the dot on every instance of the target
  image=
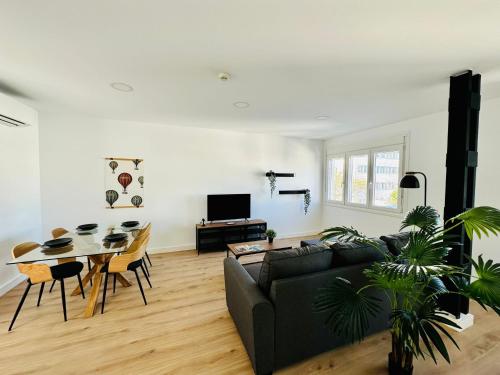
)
(124, 183)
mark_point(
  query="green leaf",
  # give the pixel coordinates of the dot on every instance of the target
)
(486, 288)
(349, 309)
(479, 220)
(346, 234)
(423, 217)
(424, 249)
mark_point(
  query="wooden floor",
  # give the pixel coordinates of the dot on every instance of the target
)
(186, 329)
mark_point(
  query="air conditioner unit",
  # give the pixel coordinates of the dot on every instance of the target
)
(12, 122)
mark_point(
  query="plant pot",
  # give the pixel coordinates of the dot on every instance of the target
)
(270, 239)
(396, 369)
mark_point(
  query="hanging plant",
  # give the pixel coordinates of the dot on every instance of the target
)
(272, 181)
(307, 200)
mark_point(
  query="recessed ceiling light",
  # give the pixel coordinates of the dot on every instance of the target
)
(322, 117)
(120, 86)
(241, 104)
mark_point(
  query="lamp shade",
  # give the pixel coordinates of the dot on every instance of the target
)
(409, 181)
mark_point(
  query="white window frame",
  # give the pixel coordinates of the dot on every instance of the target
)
(329, 178)
(371, 151)
(346, 178)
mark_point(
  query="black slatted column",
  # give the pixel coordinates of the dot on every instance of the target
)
(461, 163)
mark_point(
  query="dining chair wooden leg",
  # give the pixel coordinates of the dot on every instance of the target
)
(81, 285)
(63, 298)
(149, 260)
(146, 276)
(140, 286)
(20, 304)
(40, 294)
(104, 292)
(52, 286)
(90, 269)
(145, 265)
(114, 283)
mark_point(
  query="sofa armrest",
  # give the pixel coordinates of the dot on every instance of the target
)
(253, 315)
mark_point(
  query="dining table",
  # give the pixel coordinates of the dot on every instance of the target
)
(91, 244)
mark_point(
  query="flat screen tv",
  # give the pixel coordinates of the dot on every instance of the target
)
(228, 206)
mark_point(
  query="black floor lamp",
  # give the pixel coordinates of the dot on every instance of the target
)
(410, 181)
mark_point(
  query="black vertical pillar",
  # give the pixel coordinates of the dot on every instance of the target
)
(461, 163)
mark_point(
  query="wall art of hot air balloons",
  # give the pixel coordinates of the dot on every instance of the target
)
(113, 165)
(124, 179)
(136, 201)
(141, 181)
(136, 162)
(111, 197)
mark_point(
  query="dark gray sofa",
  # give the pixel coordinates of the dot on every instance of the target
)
(278, 327)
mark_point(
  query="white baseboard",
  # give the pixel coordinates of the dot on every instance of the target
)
(171, 249)
(465, 321)
(15, 281)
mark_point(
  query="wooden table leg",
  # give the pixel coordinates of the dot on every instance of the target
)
(94, 293)
(85, 281)
(123, 280)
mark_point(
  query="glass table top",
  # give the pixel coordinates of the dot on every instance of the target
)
(85, 243)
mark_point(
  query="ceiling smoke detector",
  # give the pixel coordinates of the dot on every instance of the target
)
(224, 76)
(241, 104)
(120, 86)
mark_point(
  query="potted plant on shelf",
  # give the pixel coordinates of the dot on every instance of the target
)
(270, 233)
(413, 282)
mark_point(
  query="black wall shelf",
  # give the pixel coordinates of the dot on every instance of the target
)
(302, 191)
(280, 174)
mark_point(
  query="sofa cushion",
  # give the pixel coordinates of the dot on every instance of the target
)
(395, 242)
(348, 253)
(281, 264)
(253, 270)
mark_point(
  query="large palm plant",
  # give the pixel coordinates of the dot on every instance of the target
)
(413, 282)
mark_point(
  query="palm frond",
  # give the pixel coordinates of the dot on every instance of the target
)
(403, 285)
(349, 308)
(393, 270)
(486, 288)
(423, 217)
(479, 220)
(426, 325)
(424, 249)
(346, 234)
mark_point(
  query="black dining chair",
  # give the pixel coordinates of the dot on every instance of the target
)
(42, 273)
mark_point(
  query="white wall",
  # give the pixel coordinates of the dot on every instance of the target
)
(182, 165)
(20, 218)
(427, 153)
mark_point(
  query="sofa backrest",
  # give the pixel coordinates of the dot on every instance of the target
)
(349, 253)
(395, 242)
(281, 264)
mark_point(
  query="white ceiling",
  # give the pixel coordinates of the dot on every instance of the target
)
(363, 63)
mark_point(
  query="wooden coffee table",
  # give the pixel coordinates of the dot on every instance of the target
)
(264, 246)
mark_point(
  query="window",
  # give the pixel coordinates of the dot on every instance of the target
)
(358, 179)
(336, 179)
(386, 179)
(371, 176)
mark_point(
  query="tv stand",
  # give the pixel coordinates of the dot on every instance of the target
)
(216, 236)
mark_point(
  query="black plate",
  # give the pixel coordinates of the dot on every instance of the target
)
(115, 237)
(86, 226)
(130, 224)
(58, 242)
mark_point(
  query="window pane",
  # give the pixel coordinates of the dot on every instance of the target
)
(358, 179)
(386, 179)
(336, 188)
